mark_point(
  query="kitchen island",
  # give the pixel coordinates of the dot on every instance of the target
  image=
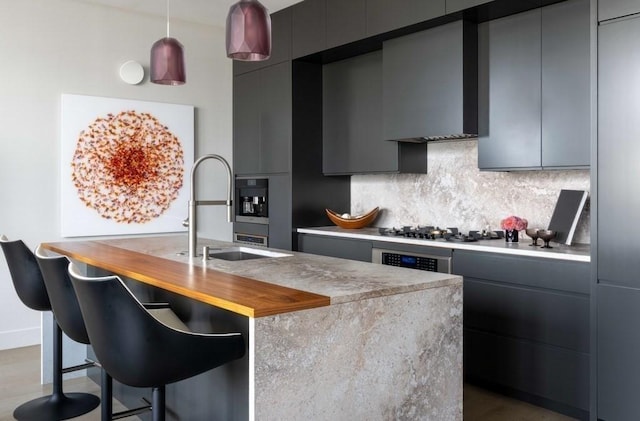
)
(328, 339)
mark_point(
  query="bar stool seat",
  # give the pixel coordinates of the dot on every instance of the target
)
(29, 285)
(140, 350)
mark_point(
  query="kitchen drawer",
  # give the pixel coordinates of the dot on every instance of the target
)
(562, 275)
(335, 247)
(544, 316)
(542, 372)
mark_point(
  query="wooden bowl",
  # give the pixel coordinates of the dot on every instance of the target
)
(352, 223)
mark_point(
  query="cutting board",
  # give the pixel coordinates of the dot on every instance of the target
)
(567, 214)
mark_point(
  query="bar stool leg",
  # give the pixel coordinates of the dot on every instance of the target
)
(106, 390)
(158, 404)
(57, 406)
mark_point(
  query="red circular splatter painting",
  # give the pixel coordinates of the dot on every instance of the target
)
(128, 167)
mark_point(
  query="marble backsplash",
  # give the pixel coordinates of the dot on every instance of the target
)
(455, 193)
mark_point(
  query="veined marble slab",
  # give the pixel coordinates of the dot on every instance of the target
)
(397, 357)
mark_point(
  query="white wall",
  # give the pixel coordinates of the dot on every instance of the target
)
(50, 47)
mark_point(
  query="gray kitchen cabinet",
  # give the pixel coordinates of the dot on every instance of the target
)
(345, 22)
(611, 9)
(280, 44)
(618, 285)
(430, 83)
(352, 122)
(509, 60)
(618, 152)
(526, 327)
(344, 248)
(384, 15)
(566, 95)
(537, 68)
(457, 5)
(618, 310)
(262, 113)
(308, 27)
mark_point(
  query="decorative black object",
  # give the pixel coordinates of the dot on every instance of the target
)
(29, 285)
(511, 236)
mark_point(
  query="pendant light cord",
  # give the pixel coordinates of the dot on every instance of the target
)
(167, 18)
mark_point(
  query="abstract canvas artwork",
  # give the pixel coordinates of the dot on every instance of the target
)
(124, 166)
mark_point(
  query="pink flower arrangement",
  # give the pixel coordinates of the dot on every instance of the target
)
(514, 223)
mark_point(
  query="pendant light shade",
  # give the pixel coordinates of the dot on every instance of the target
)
(248, 31)
(167, 60)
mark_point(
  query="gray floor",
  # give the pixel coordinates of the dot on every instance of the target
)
(20, 382)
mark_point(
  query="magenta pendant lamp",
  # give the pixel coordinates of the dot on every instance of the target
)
(248, 31)
(167, 60)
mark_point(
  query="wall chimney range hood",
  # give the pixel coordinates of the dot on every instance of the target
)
(430, 84)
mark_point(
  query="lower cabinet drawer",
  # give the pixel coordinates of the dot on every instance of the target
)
(335, 247)
(552, 373)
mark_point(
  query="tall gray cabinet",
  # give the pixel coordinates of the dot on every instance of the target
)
(618, 276)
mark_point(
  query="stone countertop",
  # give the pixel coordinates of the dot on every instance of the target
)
(578, 253)
(338, 279)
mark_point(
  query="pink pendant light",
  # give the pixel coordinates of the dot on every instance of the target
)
(167, 60)
(248, 31)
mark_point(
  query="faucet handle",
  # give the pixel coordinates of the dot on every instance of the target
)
(185, 223)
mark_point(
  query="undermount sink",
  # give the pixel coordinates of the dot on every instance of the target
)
(243, 253)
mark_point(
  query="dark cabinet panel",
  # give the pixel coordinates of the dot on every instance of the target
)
(280, 224)
(618, 152)
(527, 328)
(618, 311)
(280, 44)
(514, 89)
(385, 15)
(275, 119)
(343, 248)
(262, 120)
(345, 22)
(352, 122)
(555, 377)
(457, 5)
(610, 9)
(246, 123)
(308, 27)
(566, 99)
(429, 81)
(535, 89)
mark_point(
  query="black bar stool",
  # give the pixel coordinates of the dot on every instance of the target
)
(29, 285)
(138, 349)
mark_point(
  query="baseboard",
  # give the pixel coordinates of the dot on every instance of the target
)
(19, 338)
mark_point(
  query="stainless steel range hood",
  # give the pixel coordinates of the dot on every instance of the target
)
(430, 86)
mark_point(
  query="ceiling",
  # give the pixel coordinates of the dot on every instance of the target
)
(209, 12)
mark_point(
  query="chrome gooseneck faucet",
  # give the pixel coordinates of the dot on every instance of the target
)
(192, 221)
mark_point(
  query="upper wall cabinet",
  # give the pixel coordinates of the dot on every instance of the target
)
(384, 15)
(345, 22)
(610, 9)
(457, 5)
(430, 83)
(352, 122)
(308, 27)
(262, 113)
(535, 89)
(280, 44)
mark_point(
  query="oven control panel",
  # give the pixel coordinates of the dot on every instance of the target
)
(412, 260)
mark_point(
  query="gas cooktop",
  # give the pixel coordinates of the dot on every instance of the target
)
(434, 233)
